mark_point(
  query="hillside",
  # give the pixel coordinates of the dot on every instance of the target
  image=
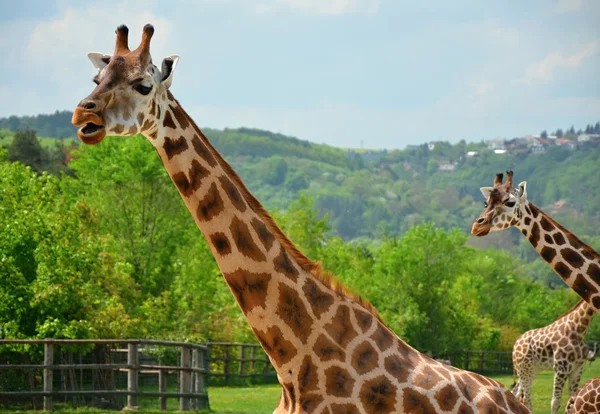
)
(371, 194)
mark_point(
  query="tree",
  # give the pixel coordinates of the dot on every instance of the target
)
(27, 149)
(544, 134)
(559, 133)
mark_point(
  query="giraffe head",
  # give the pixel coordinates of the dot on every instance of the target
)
(503, 205)
(128, 85)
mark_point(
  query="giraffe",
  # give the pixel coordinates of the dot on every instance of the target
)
(586, 399)
(330, 349)
(574, 261)
(559, 346)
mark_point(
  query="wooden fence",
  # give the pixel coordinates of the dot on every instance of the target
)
(239, 364)
(73, 382)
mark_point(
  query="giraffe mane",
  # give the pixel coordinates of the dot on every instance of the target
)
(589, 252)
(308, 265)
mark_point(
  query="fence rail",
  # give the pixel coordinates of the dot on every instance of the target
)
(74, 380)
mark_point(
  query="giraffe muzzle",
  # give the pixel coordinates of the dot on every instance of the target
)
(92, 129)
(481, 227)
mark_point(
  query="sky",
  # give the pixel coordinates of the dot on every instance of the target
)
(348, 73)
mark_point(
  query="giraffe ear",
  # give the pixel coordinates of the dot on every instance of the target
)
(99, 60)
(167, 69)
(522, 190)
(486, 191)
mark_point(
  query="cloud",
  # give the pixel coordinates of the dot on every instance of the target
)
(321, 7)
(544, 70)
(59, 45)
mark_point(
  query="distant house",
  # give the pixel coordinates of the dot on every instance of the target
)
(496, 143)
(538, 149)
(564, 142)
(588, 137)
(447, 167)
(500, 151)
(472, 154)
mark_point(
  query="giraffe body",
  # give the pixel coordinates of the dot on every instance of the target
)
(330, 349)
(559, 346)
(577, 264)
(586, 400)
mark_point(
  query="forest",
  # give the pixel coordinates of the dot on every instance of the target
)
(95, 241)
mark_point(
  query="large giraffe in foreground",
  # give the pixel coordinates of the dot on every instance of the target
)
(332, 352)
(574, 261)
(586, 400)
(559, 346)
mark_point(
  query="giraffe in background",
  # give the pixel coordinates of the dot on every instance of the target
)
(559, 346)
(330, 349)
(574, 261)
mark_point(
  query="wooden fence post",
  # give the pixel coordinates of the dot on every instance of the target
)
(242, 361)
(227, 361)
(184, 378)
(253, 359)
(162, 387)
(48, 371)
(132, 375)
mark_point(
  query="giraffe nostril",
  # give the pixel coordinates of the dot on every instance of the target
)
(89, 105)
(481, 220)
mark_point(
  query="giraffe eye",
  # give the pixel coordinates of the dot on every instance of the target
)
(144, 90)
(510, 203)
(485, 204)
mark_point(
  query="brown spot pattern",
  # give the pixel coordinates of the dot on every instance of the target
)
(233, 193)
(563, 270)
(427, 378)
(308, 378)
(416, 403)
(243, 240)
(399, 368)
(140, 118)
(168, 121)
(327, 350)
(572, 257)
(447, 397)
(173, 147)
(534, 237)
(378, 395)
(340, 328)
(338, 381)
(594, 272)
(263, 233)
(548, 253)
(118, 128)
(279, 349)
(292, 311)
(203, 151)
(559, 239)
(319, 301)
(180, 116)
(382, 338)
(364, 319)
(221, 243)
(188, 186)
(344, 409)
(211, 205)
(309, 403)
(583, 288)
(283, 264)
(250, 289)
(546, 224)
(364, 358)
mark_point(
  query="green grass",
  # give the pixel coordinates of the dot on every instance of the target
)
(263, 399)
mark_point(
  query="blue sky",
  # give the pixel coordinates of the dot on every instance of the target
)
(385, 72)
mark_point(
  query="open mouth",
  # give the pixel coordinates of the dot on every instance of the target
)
(90, 128)
(91, 125)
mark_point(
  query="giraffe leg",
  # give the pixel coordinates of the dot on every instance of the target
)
(560, 377)
(525, 391)
(574, 378)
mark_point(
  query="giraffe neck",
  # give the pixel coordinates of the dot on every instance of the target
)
(574, 261)
(280, 291)
(578, 319)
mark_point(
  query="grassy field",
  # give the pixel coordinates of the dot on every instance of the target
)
(262, 399)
